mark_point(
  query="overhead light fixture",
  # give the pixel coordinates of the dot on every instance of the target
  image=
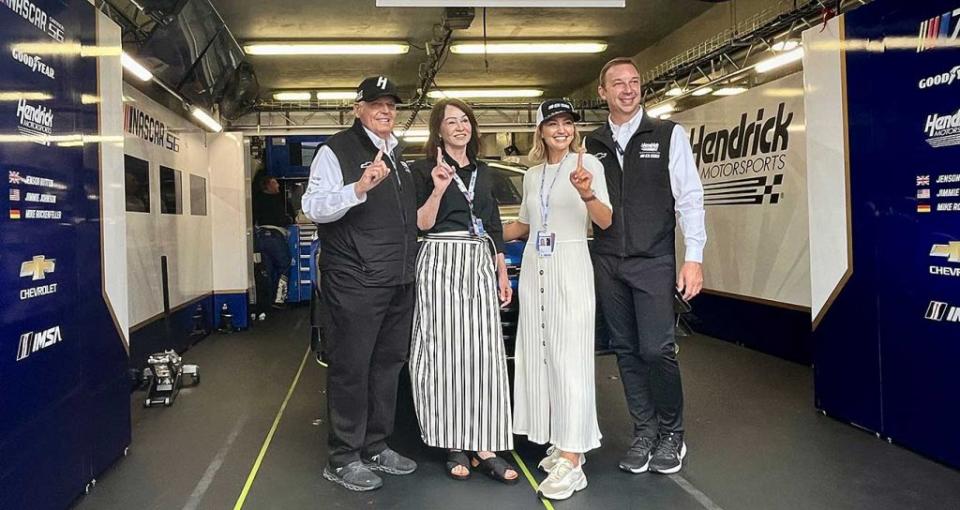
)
(134, 67)
(327, 48)
(292, 96)
(729, 91)
(484, 93)
(661, 109)
(415, 139)
(415, 133)
(779, 60)
(26, 96)
(785, 45)
(702, 91)
(665, 116)
(538, 47)
(675, 91)
(336, 95)
(206, 119)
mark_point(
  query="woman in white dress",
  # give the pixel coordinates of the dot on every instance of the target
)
(554, 386)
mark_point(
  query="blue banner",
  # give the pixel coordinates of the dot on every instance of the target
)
(64, 400)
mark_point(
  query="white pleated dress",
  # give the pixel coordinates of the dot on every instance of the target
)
(555, 387)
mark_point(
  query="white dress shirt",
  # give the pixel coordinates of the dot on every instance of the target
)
(684, 182)
(327, 199)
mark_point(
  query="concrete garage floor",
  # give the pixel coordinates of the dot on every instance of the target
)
(755, 442)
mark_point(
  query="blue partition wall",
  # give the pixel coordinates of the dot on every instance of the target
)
(64, 396)
(888, 350)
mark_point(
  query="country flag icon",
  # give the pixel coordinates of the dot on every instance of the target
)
(14, 214)
(14, 195)
(923, 208)
(923, 193)
(923, 180)
(15, 177)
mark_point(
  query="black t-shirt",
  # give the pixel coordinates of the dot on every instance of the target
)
(270, 209)
(454, 212)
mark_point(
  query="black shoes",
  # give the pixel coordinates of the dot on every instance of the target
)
(637, 459)
(354, 476)
(668, 457)
(390, 462)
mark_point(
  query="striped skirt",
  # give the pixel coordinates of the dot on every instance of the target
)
(457, 360)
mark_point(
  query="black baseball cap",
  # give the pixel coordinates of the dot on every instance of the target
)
(375, 87)
(553, 107)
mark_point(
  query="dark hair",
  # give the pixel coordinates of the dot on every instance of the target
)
(261, 179)
(436, 118)
(615, 62)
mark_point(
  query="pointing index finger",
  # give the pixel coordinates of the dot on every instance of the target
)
(379, 156)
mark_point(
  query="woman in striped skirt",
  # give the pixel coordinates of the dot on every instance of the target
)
(554, 385)
(457, 358)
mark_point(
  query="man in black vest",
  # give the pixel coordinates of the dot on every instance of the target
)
(362, 196)
(652, 178)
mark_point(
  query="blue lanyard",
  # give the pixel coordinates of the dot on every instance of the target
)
(545, 197)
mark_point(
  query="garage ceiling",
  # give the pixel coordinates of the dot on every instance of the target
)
(627, 32)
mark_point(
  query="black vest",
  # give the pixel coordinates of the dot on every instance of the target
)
(376, 241)
(644, 219)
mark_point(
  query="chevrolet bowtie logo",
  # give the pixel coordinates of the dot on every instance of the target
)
(38, 267)
(949, 251)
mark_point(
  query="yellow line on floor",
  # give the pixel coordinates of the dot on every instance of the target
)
(533, 483)
(266, 441)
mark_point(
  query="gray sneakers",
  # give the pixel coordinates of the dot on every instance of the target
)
(390, 462)
(563, 481)
(354, 476)
(553, 455)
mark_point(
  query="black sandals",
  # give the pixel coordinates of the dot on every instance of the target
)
(496, 468)
(457, 458)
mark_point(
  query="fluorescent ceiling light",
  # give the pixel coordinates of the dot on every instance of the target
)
(206, 119)
(415, 139)
(785, 45)
(538, 47)
(336, 95)
(702, 91)
(660, 109)
(415, 133)
(327, 48)
(729, 91)
(292, 96)
(675, 91)
(484, 93)
(134, 67)
(26, 96)
(779, 60)
(502, 3)
(666, 116)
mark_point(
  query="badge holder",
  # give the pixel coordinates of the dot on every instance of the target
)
(546, 241)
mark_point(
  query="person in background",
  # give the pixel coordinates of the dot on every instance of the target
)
(362, 196)
(270, 220)
(652, 179)
(554, 386)
(457, 361)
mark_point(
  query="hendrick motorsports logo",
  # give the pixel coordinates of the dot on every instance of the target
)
(34, 63)
(939, 31)
(939, 311)
(36, 122)
(943, 130)
(949, 251)
(749, 191)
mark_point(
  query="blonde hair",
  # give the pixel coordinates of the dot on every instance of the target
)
(538, 153)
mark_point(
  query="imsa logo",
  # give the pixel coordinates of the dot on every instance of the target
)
(36, 341)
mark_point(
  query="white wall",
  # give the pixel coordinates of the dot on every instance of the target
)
(185, 239)
(228, 209)
(110, 137)
(756, 250)
(825, 103)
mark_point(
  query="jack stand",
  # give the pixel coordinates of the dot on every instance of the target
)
(165, 377)
(226, 320)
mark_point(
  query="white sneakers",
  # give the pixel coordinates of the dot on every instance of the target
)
(553, 455)
(563, 481)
